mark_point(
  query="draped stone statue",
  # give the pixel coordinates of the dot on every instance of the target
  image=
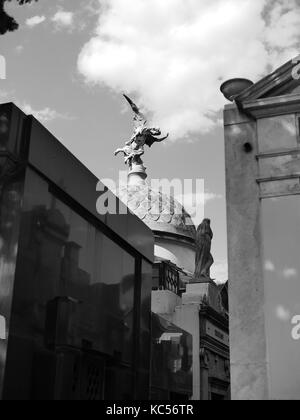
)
(204, 259)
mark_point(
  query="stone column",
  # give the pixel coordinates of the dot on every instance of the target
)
(246, 286)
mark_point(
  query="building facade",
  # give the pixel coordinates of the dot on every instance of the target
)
(262, 145)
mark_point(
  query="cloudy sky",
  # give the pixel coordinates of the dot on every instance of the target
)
(71, 59)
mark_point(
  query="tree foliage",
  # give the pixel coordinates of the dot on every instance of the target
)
(8, 23)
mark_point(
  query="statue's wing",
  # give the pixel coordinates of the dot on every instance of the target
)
(139, 118)
(150, 140)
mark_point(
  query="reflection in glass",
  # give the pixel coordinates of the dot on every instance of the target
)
(145, 335)
(281, 229)
(10, 205)
(74, 289)
(171, 370)
(66, 256)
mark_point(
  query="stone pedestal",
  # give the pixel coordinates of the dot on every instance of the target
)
(206, 293)
(164, 302)
(137, 175)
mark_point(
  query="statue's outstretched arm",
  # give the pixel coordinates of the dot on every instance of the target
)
(150, 140)
(118, 151)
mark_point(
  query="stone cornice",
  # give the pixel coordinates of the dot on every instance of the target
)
(277, 83)
(268, 107)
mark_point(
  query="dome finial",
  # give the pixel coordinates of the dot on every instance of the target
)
(135, 148)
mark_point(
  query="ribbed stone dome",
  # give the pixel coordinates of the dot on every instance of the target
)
(158, 211)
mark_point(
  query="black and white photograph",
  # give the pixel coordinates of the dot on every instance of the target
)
(149, 203)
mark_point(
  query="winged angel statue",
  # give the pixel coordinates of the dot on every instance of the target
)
(143, 135)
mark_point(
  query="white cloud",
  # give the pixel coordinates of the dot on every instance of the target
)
(172, 55)
(63, 18)
(211, 196)
(43, 115)
(35, 20)
(219, 272)
(283, 20)
(282, 313)
(289, 273)
(190, 199)
(269, 266)
(93, 7)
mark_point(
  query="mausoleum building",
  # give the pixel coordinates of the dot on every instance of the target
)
(262, 150)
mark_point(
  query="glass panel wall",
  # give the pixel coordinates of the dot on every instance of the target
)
(10, 205)
(63, 255)
(145, 332)
(75, 288)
